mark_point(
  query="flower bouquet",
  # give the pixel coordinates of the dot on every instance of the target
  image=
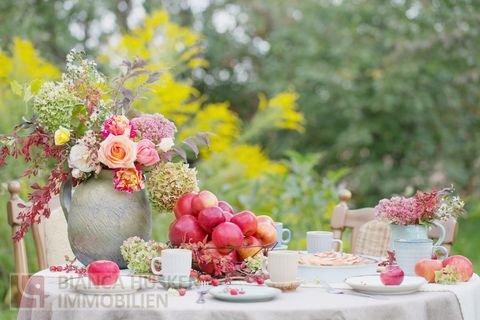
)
(84, 124)
(423, 208)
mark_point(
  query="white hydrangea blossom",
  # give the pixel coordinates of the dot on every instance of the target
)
(54, 105)
(139, 253)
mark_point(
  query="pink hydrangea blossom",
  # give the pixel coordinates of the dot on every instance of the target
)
(398, 210)
(154, 127)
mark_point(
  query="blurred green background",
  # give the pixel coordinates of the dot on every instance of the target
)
(380, 97)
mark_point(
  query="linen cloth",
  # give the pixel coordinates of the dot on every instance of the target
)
(305, 303)
(467, 293)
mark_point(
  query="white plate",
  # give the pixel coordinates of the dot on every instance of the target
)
(372, 284)
(252, 293)
(124, 285)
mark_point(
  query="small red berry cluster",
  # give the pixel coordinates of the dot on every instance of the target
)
(69, 268)
(252, 279)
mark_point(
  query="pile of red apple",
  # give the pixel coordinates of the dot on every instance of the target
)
(200, 217)
(428, 268)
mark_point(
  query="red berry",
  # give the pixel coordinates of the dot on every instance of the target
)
(250, 279)
(214, 282)
(202, 277)
(59, 268)
(208, 278)
(182, 291)
(53, 268)
(259, 280)
(233, 292)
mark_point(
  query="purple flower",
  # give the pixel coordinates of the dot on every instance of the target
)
(154, 127)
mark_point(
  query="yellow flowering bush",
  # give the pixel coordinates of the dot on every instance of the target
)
(175, 50)
(233, 142)
(21, 64)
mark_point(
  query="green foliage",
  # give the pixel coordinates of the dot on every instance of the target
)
(390, 87)
(468, 236)
(389, 90)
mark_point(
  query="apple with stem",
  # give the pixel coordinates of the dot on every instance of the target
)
(103, 272)
(393, 275)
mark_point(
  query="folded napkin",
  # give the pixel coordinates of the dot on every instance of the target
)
(467, 293)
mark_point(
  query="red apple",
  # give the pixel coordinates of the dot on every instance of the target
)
(183, 206)
(228, 216)
(204, 199)
(226, 236)
(266, 233)
(251, 246)
(186, 229)
(103, 272)
(209, 218)
(392, 276)
(264, 218)
(225, 206)
(426, 268)
(246, 221)
(462, 265)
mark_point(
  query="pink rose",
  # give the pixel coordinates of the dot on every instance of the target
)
(118, 125)
(118, 152)
(146, 153)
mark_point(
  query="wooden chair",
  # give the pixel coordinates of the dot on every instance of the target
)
(50, 238)
(370, 236)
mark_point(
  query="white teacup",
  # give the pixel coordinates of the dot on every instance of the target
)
(321, 241)
(282, 265)
(176, 264)
(409, 251)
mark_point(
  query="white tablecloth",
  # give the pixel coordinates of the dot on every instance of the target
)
(305, 303)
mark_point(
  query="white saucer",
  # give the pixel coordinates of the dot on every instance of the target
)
(251, 293)
(124, 285)
(372, 284)
(284, 286)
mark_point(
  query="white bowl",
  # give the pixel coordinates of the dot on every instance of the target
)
(335, 274)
